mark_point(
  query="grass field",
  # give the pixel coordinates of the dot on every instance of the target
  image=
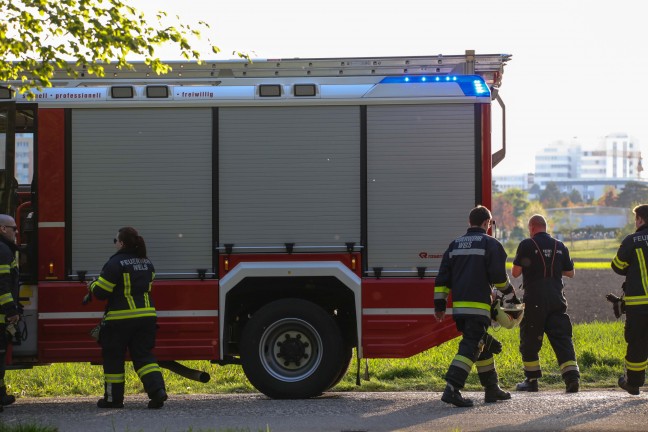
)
(600, 349)
(593, 254)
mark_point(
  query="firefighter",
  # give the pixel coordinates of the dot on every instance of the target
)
(129, 322)
(9, 289)
(543, 261)
(471, 266)
(631, 261)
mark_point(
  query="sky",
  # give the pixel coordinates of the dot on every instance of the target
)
(577, 69)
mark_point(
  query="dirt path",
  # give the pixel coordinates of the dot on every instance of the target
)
(586, 294)
(592, 410)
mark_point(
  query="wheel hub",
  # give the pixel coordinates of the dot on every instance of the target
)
(293, 349)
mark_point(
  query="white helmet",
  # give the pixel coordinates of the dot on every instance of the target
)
(509, 316)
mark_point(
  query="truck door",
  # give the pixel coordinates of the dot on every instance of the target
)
(7, 157)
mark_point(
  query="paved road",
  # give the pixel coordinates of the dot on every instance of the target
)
(608, 410)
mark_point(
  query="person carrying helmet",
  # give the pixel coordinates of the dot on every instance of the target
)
(129, 322)
(631, 261)
(543, 261)
(470, 267)
(9, 290)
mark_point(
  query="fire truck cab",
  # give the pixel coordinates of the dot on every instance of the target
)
(295, 210)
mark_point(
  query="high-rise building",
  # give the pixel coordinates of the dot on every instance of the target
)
(24, 158)
(589, 168)
(615, 156)
(560, 160)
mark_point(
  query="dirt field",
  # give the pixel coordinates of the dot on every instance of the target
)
(586, 294)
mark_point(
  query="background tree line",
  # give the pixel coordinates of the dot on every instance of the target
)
(513, 208)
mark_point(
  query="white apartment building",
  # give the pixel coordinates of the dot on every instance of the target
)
(24, 157)
(587, 167)
(615, 156)
(559, 161)
(518, 181)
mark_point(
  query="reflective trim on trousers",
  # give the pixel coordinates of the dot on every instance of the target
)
(485, 365)
(532, 366)
(462, 363)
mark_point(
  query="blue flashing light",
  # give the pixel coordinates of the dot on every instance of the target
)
(471, 85)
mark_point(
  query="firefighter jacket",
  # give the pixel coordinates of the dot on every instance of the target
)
(9, 280)
(126, 282)
(631, 261)
(471, 266)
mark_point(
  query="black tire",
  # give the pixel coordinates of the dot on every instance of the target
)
(291, 349)
(344, 366)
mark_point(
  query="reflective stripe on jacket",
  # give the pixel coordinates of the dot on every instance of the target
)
(471, 266)
(631, 262)
(126, 282)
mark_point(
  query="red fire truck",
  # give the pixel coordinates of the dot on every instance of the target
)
(295, 210)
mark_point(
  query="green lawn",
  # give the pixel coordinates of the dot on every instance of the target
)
(593, 249)
(587, 254)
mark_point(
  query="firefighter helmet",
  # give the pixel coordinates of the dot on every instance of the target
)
(508, 316)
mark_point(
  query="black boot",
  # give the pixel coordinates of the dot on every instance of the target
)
(6, 399)
(572, 386)
(113, 396)
(495, 393)
(624, 385)
(103, 403)
(157, 399)
(527, 385)
(454, 397)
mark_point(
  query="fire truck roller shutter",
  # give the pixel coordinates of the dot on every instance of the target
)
(420, 181)
(292, 349)
(147, 168)
(289, 175)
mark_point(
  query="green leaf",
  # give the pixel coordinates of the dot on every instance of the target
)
(90, 33)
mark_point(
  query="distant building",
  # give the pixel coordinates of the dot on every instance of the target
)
(518, 181)
(615, 156)
(24, 158)
(613, 161)
(558, 161)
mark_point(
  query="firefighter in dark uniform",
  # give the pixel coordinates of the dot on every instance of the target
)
(631, 261)
(129, 322)
(471, 266)
(9, 291)
(543, 261)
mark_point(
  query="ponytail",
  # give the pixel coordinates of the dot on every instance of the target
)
(132, 241)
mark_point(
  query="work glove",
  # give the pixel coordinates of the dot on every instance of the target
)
(509, 298)
(618, 304)
(491, 344)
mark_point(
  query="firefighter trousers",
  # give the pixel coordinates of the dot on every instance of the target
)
(636, 336)
(471, 351)
(546, 313)
(4, 345)
(137, 336)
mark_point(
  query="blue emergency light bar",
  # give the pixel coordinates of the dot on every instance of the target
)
(471, 85)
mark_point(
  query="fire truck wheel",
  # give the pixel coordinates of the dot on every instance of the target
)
(291, 349)
(344, 366)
